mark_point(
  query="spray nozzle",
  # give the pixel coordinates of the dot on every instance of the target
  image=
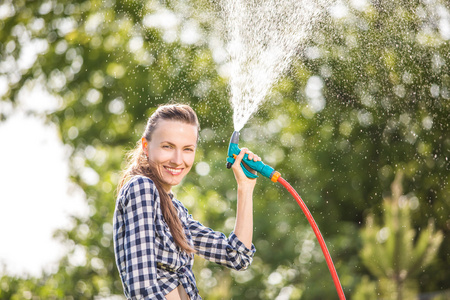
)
(246, 164)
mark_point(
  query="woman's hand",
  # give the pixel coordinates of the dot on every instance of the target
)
(242, 179)
(244, 212)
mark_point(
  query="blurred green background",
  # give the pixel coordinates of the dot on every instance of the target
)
(371, 162)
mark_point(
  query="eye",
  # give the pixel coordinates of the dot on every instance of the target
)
(189, 149)
(166, 146)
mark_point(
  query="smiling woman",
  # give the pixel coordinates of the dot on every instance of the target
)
(154, 235)
(169, 130)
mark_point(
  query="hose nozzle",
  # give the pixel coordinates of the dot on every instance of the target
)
(246, 164)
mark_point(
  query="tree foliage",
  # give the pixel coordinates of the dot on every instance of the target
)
(368, 97)
(390, 252)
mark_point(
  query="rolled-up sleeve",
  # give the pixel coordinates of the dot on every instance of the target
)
(216, 247)
(134, 239)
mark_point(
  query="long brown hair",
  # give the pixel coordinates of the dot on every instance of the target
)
(139, 164)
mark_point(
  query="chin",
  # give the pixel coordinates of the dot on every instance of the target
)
(172, 182)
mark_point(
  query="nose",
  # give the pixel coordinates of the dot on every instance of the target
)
(177, 157)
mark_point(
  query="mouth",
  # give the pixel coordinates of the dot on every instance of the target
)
(173, 171)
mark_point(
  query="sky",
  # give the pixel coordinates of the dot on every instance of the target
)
(36, 196)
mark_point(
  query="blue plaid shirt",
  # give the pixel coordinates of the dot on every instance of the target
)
(149, 262)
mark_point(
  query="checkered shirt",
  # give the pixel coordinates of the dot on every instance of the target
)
(149, 262)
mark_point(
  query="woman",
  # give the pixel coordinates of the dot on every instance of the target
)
(154, 235)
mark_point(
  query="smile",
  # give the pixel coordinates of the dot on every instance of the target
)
(173, 171)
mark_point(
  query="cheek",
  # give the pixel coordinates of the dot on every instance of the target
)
(158, 156)
(189, 159)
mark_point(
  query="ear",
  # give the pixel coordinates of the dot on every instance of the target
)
(144, 145)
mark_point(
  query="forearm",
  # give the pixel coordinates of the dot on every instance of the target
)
(244, 216)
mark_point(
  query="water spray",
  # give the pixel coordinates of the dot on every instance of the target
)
(269, 172)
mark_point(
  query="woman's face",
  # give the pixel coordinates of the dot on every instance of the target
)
(172, 150)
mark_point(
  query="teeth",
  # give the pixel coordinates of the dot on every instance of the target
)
(173, 171)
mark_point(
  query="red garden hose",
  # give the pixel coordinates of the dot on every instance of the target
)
(319, 237)
(269, 172)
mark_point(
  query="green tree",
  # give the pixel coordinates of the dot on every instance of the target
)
(384, 70)
(393, 251)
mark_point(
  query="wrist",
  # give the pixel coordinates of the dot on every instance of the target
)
(245, 190)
